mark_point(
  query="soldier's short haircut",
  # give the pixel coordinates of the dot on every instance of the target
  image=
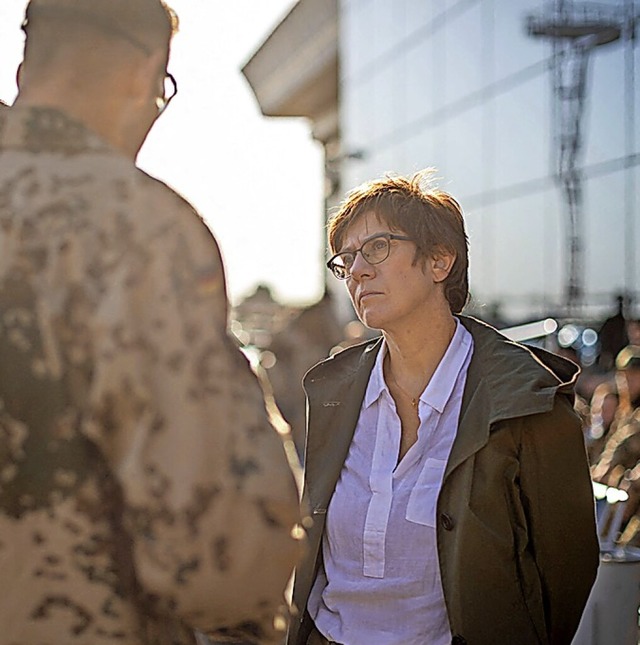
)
(146, 24)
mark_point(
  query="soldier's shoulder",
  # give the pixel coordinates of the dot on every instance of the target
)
(161, 192)
(163, 201)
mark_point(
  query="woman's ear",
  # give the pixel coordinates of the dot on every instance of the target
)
(442, 262)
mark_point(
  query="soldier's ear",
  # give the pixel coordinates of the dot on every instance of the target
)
(148, 78)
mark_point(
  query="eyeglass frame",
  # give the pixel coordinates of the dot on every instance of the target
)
(387, 236)
(162, 102)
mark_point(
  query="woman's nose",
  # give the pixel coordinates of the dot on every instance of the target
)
(361, 268)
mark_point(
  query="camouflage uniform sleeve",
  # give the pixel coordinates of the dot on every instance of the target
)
(210, 499)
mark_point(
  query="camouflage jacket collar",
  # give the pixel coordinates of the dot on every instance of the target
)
(45, 129)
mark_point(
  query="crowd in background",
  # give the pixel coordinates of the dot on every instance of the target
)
(608, 400)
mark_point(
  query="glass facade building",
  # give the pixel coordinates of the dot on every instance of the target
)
(461, 86)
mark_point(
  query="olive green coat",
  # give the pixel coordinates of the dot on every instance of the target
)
(517, 542)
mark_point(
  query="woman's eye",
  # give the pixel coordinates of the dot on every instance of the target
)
(347, 259)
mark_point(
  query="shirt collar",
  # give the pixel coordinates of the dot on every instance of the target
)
(377, 383)
(440, 387)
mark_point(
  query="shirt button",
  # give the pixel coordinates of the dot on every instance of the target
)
(446, 521)
(458, 640)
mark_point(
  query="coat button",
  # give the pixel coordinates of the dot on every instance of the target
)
(458, 640)
(446, 521)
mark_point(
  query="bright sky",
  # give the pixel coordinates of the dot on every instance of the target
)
(257, 181)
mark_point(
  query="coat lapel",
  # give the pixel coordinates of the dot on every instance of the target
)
(473, 426)
(334, 408)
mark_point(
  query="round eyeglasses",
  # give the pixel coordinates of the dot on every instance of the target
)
(374, 250)
(169, 91)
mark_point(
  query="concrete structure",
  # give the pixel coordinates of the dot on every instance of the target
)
(295, 71)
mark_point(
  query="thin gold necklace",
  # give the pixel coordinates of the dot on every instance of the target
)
(414, 400)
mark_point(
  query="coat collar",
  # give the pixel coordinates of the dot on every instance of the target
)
(505, 380)
(519, 379)
(335, 389)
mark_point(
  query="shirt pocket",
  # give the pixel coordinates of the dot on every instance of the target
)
(423, 500)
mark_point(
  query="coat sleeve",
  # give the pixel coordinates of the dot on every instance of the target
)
(558, 500)
(210, 500)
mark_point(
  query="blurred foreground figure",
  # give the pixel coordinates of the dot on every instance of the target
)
(143, 492)
(445, 466)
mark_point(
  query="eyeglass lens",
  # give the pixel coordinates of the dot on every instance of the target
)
(374, 251)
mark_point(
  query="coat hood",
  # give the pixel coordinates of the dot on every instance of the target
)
(517, 379)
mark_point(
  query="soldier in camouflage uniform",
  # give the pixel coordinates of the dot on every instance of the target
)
(143, 492)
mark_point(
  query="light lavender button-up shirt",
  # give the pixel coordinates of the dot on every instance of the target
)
(380, 584)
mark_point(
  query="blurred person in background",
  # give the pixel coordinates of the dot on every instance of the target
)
(615, 421)
(613, 335)
(613, 440)
(445, 466)
(613, 408)
(143, 492)
(633, 330)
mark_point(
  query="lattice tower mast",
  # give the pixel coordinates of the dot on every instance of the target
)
(575, 30)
